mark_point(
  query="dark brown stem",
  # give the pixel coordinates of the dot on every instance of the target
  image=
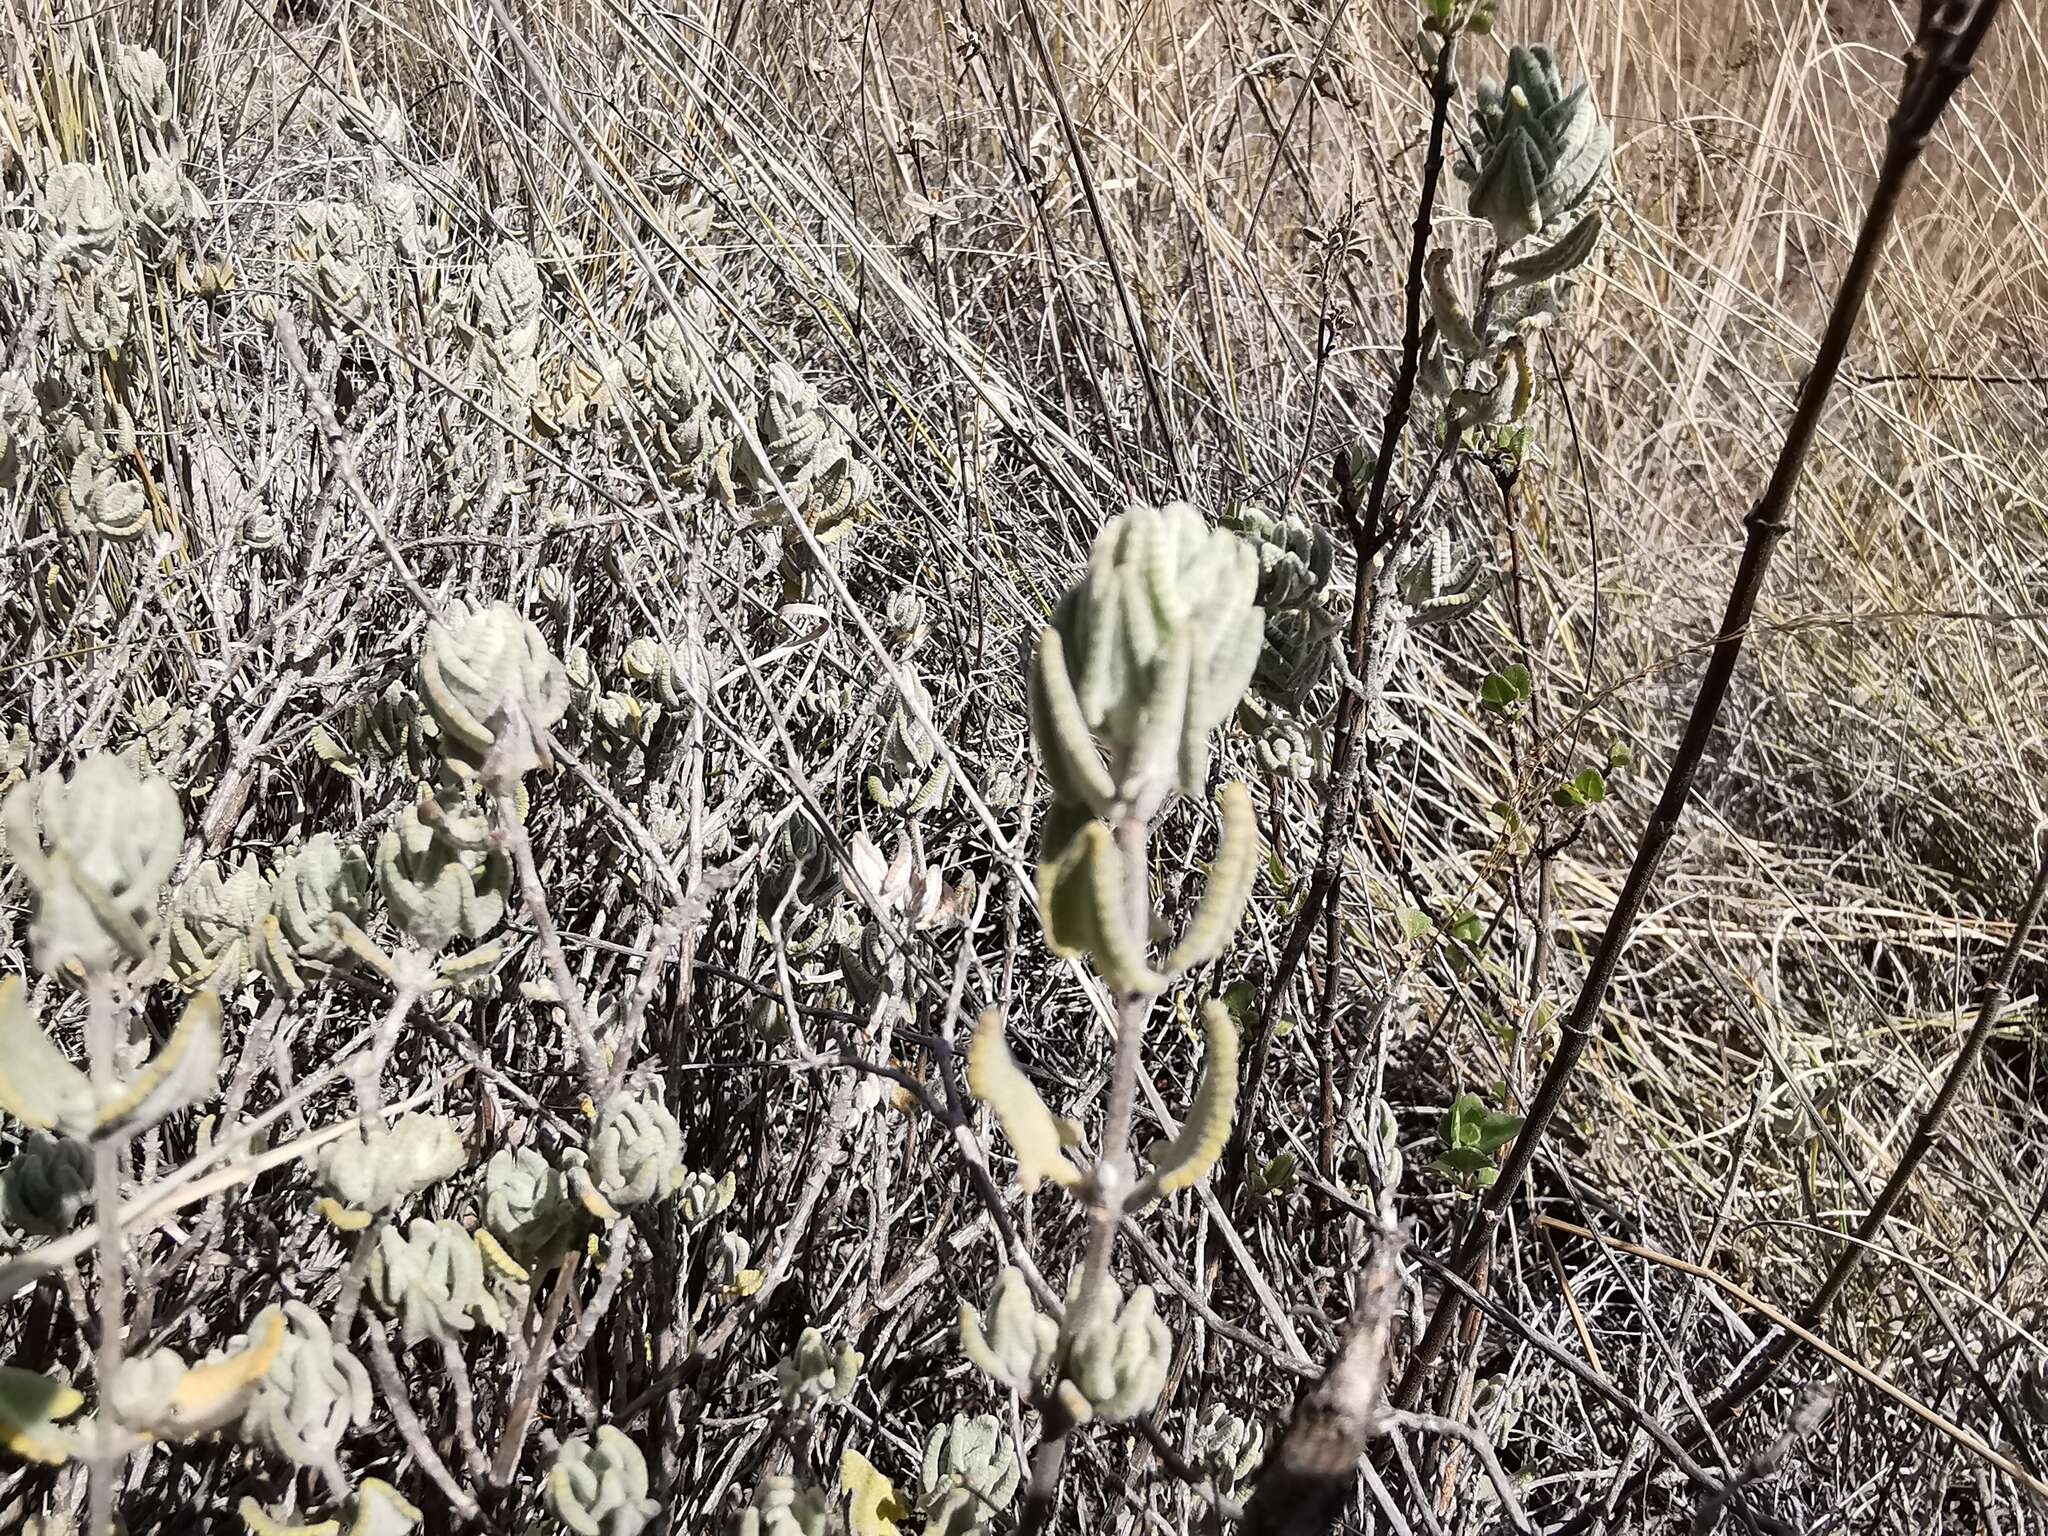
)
(1368, 535)
(1940, 60)
(1995, 996)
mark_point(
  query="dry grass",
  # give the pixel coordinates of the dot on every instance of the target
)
(898, 210)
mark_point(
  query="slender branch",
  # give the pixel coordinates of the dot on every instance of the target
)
(532, 1376)
(1995, 996)
(1113, 1176)
(111, 1281)
(1354, 709)
(1941, 59)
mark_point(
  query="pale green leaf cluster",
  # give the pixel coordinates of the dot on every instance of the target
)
(484, 670)
(431, 1278)
(780, 1506)
(441, 876)
(96, 849)
(162, 1396)
(598, 1485)
(814, 1372)
(1145, 657)
(376, 1172)
(968, 1476)
(1538, 149)
(1114, 1356)
(40, 1087)
(48, 1183)
(313, 1393)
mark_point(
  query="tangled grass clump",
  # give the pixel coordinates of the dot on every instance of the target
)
(746, 792)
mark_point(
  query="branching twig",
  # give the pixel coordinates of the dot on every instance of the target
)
(1941, 59)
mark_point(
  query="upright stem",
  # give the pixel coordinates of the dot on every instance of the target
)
(1995, 995)
(1368, 537)
(1113, 1176)
(1940, 61)
(111, 1280)
(513, 832)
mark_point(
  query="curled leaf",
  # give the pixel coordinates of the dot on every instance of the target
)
(994, 1077)
(1231, 874)
(32, 1407)
(1189, 1156)
(872, 1505)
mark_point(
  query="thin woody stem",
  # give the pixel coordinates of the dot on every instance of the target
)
(1940, 62)
(1114, 1174)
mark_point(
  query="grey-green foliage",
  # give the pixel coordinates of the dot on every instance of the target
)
(390, 1165)
(479, 664)
(1296, 559)
(1284, 743)
(669, 374)
(807, 445)
(1146, 656)
(702, 1197)
(968, 1476)
(909, 776)
(42, 1088)
(780, 1506)
(313, 1393)
(440, 876)
(97, 493)
(907, 621)
(167, 734)
(82, 221)
(529, 1206)
(813, 1373)
(316, 884)
(46, 1185)
(163, 197)
(597, 1485)
(729, 1261)
(625, 737)
(1537, 155)
(431, 1278)
(1116, 1354)
(1298, 654)
(1436, 584)
(797, 862)
(677, 678)
(1229, 1448)
(96, 849)
(636, 1149)
(508, 306)
(334, 248)
(1283, 711)
(1012, 1341)
(212, 917)
(395, 725)
(161, 1395)
(1538, 149)
(1378, 1138)
(875, 967)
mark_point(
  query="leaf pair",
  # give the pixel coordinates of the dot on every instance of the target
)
(41, 1088)
(1087, 908)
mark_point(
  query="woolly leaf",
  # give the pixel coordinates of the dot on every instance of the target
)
(1231, 874)
(597, 1485)
(873, 1507)
(38, 1084)
(994, 1077)
(161, 1396)
(1189, 1156)
(32, 1409)
(1013, 1342)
